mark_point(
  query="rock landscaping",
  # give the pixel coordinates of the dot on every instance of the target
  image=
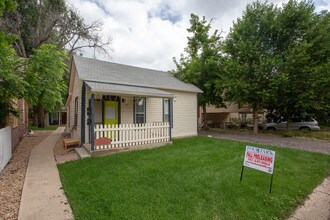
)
(12, 176)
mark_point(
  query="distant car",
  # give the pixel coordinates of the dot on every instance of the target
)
(296, 124)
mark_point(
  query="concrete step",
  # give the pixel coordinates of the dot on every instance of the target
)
(82, 153)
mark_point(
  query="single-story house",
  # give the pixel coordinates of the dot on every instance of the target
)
(113, 105)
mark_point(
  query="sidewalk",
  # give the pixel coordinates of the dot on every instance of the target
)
(317, 206)
(42, 196)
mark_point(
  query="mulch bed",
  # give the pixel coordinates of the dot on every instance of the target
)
(12, 176)
(61, 154)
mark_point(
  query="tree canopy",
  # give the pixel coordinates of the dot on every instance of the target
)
(200, 65)
(276, 58)
(44, 22)
(51, 21)
(45, 75)
(7, 5)
(12, 83)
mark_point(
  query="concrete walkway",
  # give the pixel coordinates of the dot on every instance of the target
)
(43, 197)
(317, 206)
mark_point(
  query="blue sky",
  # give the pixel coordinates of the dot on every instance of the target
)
(149, 33)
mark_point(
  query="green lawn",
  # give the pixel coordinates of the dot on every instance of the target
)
(50, 127)
(323, 134)
(195, 178)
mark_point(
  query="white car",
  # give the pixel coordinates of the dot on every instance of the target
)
(295, 124)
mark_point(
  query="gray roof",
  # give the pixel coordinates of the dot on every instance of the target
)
(108, 72)
(116, 89)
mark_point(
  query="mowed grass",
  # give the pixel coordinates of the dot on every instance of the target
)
(36, 128)
(321, 135)
(195, 178)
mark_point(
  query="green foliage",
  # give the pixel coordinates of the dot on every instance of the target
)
(194, 178)
(251, 60)
(7, 5)
(45, 72)
(278, 59)
(201, 64)
(12, 84)
(303, 42)
(250, 75)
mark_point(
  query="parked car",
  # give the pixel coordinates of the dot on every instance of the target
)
(307, 123)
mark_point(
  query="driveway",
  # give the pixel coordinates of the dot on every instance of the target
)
(319, 146)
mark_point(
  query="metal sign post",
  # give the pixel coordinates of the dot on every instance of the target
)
(271, 184)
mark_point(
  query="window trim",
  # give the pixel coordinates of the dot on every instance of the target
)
(168, 109)
(136, 100)
(75, 114)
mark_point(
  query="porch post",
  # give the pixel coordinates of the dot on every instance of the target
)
(171, 116)
(92, 122)
(83, 121)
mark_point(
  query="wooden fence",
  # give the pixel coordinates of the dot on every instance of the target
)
(5, 146)
(126, 135)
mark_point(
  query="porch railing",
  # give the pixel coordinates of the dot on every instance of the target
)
(126, 135)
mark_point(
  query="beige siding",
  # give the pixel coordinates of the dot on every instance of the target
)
(77, 86)
(184, 114)
(126, 112)
(154, 110)
(98, 112)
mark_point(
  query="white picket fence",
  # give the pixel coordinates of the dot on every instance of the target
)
(126, 135)
(5, 146)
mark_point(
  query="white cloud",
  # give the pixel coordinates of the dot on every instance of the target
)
(149, 33)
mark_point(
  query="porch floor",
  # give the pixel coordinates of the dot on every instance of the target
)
(104, 152)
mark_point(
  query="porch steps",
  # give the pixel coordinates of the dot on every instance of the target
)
(82, 153)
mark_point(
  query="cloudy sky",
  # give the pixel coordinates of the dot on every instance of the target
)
(149, 33)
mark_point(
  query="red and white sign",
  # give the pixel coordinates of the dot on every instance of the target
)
(259, 159)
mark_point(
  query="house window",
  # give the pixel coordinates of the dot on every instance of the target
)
(166, 110)
(140, 110)
(243, 116)
(76, 112)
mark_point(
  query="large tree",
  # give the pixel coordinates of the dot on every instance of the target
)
(51, 21)
(278, 58)
(45, 75)
(200, 65)
(251, 61)
(304, 42)
(35, 23)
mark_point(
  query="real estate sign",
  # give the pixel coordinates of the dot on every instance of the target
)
(259, 159)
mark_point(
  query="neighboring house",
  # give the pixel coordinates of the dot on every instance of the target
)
(57, 117)
(19, 125)
(130, 105)
(219, 117)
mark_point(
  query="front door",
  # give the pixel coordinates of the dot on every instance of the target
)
(111, 112)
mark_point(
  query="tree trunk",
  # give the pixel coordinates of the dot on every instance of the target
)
(41, 117)
(35, 118)
(204, 118)
(255, 118)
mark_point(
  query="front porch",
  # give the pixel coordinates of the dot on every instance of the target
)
(117, 120)
(111, 139)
